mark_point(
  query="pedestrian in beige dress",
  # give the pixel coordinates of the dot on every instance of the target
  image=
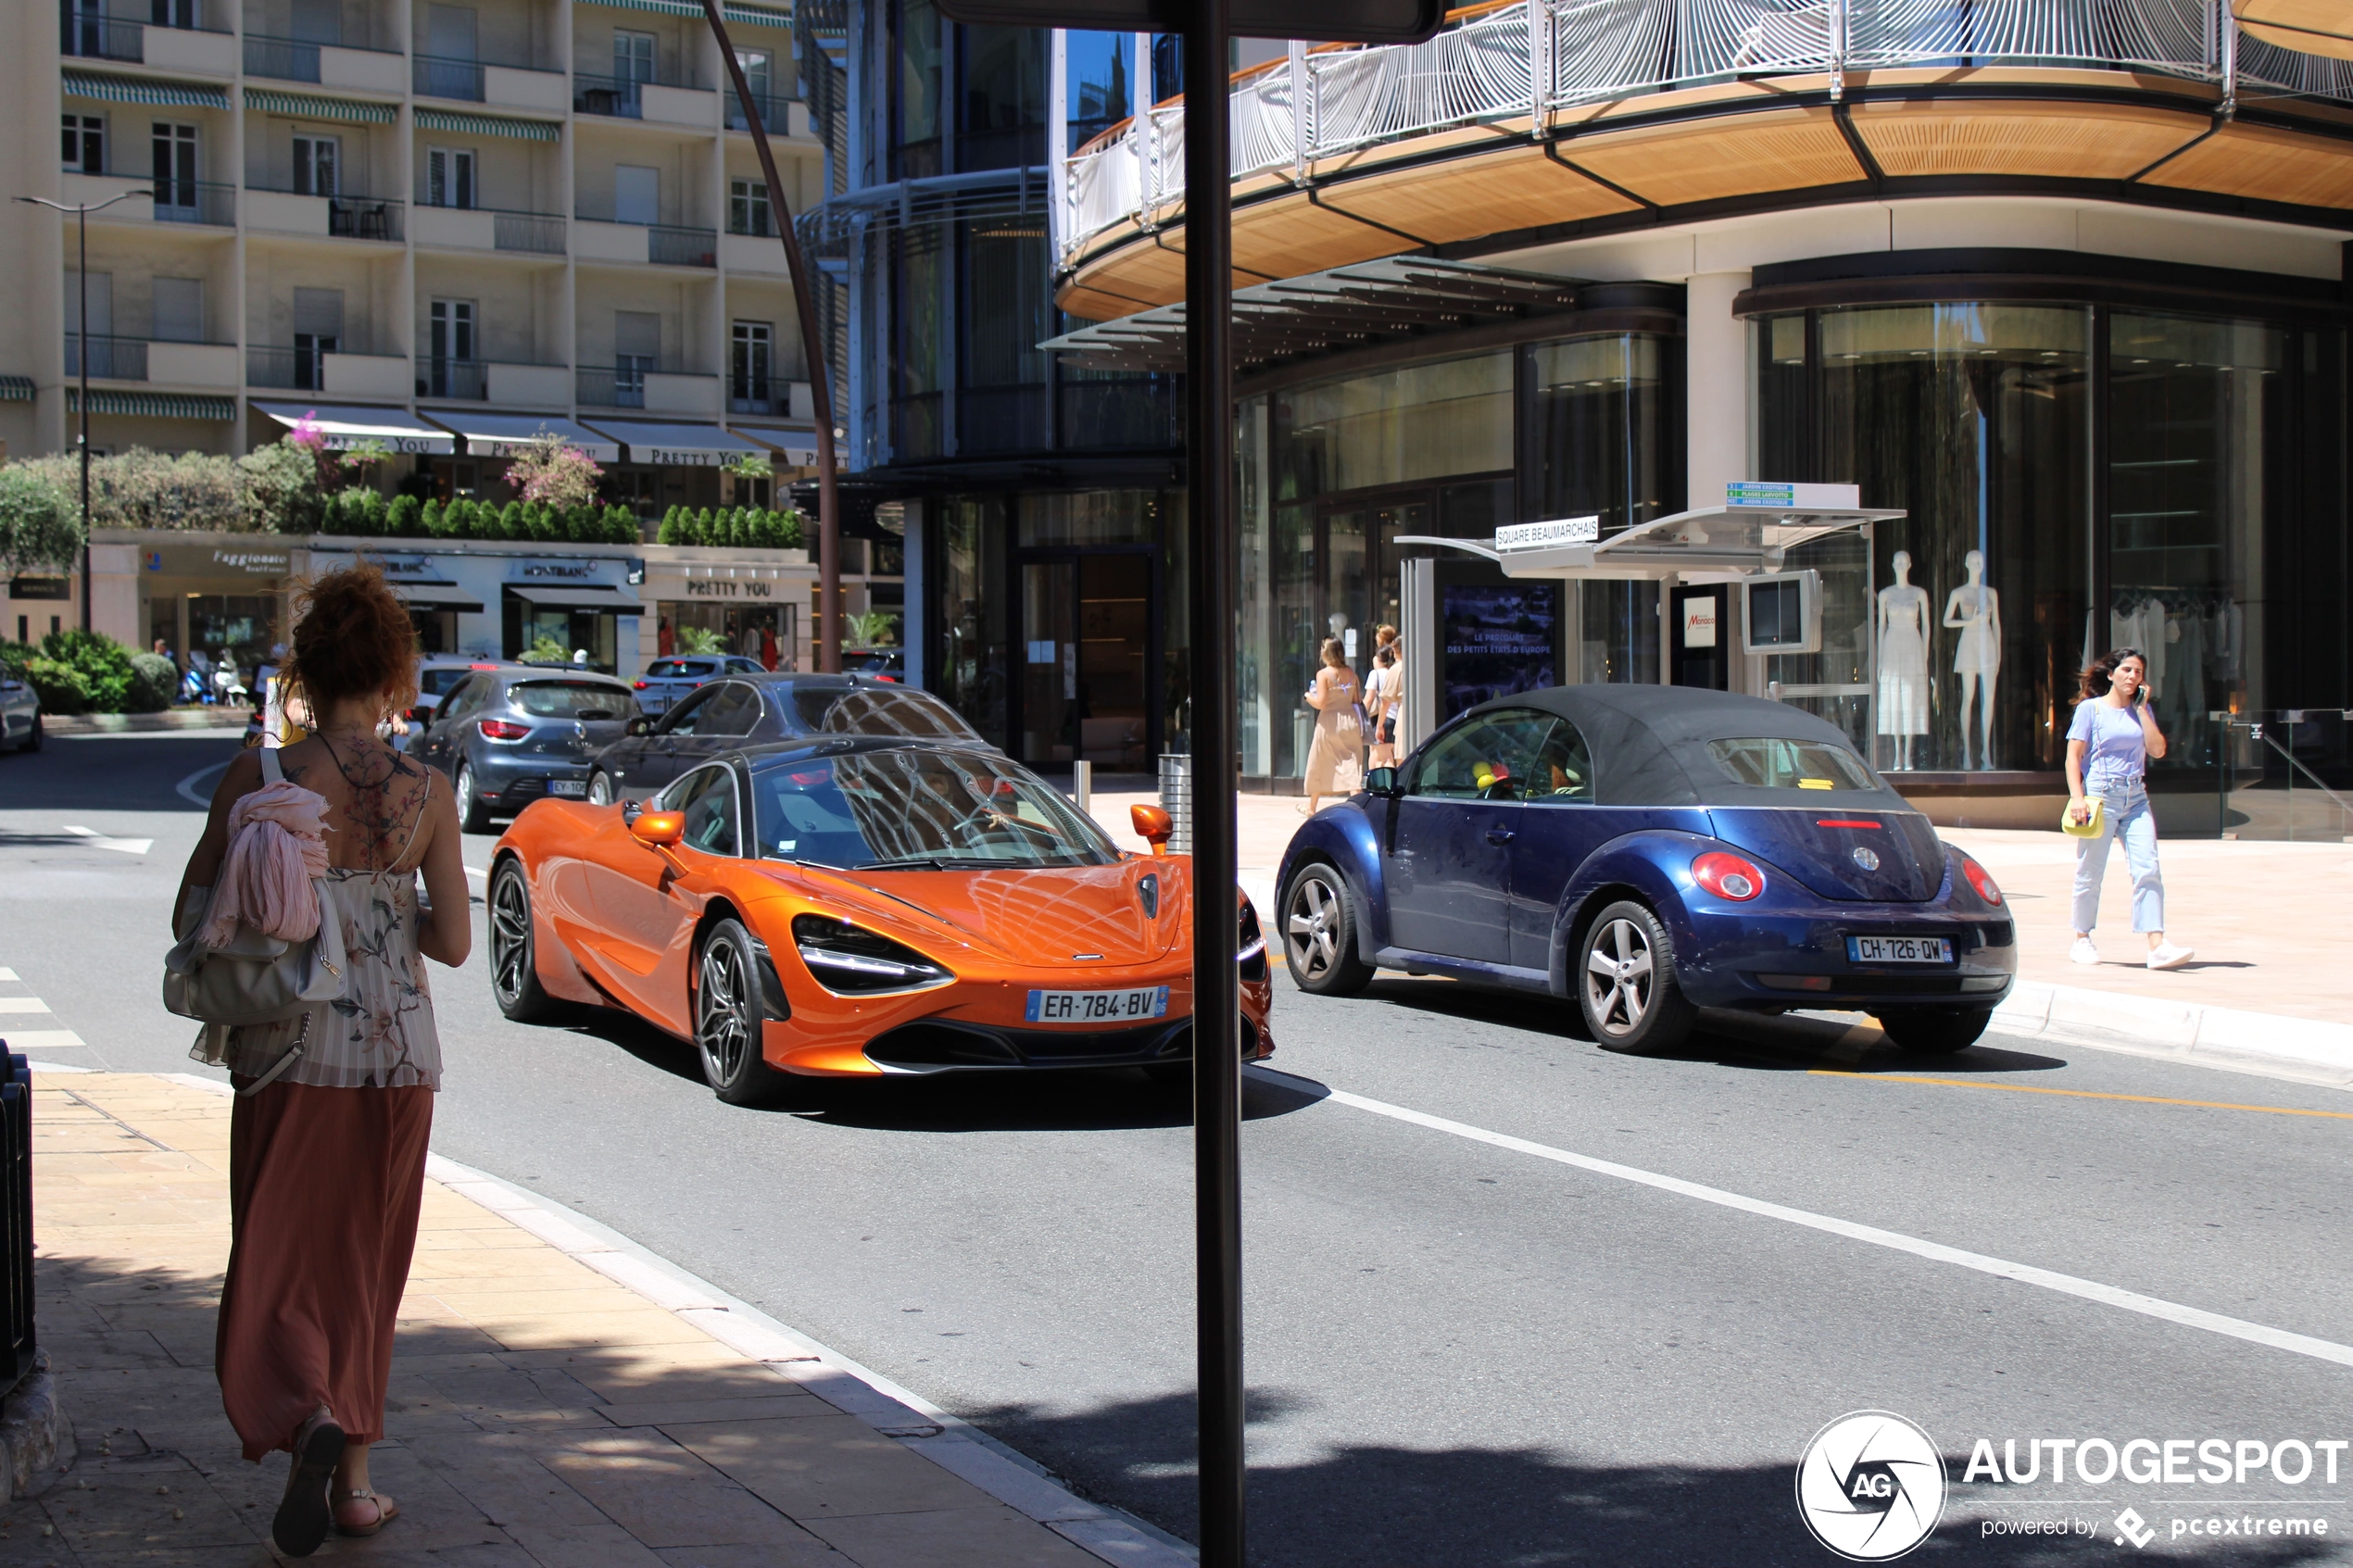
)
(1335, 759)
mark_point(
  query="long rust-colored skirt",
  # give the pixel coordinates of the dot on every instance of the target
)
(324, 1187)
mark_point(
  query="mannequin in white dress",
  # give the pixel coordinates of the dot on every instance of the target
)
(1903, 661)
(1976, 611)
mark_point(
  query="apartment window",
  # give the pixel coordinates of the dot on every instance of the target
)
(450, 177)
(754, 347)
(85, 143)
(179, 309)
(316, 22)
(747, 207)
(632, 56)
(318, 331)
(760, 70)
(84, 27)
(636, 340)
(175, 165)
(451, 348)
(317, 163)
(177, 13)
(636, 195)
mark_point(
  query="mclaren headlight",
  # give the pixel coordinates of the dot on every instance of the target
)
(849, 960)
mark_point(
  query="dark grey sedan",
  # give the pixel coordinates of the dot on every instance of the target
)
(508, 736)
(727, 715)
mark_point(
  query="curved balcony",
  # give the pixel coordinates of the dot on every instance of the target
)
(1529, 116)
(2312, 26)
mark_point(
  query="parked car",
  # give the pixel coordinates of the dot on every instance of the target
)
(753, 709)
(851, 906)
(436, 673)
(515, 734)
(667, 680)
(1649, 851)
(20, 715)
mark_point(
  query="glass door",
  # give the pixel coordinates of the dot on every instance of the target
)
(1089, 688)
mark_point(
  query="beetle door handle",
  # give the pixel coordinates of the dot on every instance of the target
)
(1499, 835)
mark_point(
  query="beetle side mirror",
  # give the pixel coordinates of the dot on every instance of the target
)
(659, 830)
(640, 725)
(1382, 780)
(1152, 825)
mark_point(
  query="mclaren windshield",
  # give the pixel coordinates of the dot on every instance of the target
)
(919, 808)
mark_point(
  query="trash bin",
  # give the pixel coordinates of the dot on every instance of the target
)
(1176, 799)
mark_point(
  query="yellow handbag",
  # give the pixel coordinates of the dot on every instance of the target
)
(2091, 826)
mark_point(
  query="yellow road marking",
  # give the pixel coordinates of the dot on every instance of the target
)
(2074, 1094)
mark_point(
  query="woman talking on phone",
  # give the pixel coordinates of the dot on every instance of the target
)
(2109, 748)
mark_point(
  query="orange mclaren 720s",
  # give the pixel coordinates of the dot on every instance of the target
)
(856, 906)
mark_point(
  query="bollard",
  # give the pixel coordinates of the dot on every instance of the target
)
(1082, 785)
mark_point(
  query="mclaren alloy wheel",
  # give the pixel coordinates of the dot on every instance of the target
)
(729, 1015)
(514, 976)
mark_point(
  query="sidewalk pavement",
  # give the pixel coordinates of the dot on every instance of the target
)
(2268, 919)
(555, 1400)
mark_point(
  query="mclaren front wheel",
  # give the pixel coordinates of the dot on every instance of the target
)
(730, 1016)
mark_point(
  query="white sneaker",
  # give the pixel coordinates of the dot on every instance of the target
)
(2169, 956)
(2083, 952)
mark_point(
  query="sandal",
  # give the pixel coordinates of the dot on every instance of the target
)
(304, 1514)
(386, 1511)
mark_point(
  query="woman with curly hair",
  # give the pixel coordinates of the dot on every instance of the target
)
(327, 1157)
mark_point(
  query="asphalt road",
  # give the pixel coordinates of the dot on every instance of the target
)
(1592, 1316)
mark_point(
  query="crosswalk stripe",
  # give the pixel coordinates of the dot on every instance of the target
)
(42, 1039)
(22, 1004)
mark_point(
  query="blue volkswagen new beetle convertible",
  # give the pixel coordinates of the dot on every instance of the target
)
(1650, 851)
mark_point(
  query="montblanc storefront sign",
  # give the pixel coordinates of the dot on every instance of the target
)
(574, 571)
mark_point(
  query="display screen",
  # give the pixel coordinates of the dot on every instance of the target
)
(1501, 638)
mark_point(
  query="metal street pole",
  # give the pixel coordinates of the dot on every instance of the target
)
(820, 383)
(82, 335)
(1209, 443)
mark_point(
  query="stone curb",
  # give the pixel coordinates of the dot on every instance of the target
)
(2310, 1048)
(143, 723)
(35, 1433)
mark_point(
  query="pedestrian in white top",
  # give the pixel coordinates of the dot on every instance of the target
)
(2108, 746)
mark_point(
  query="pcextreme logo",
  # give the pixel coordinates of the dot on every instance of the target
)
(1870, 1486)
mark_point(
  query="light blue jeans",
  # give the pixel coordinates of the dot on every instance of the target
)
(2128, 818)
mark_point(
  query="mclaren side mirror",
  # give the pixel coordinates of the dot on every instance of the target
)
(1382, 780)
(640, 725)
(1152, 825)
(659, 830)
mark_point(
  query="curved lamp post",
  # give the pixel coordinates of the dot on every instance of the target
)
(81, 275)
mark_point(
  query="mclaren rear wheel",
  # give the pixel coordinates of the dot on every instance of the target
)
(729, 1015)
(514, 973)
(1626, 982)
(1319, 933)
(1934, 1031)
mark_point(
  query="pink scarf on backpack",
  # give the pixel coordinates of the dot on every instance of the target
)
(277, 844)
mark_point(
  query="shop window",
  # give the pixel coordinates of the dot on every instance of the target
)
(1001, 104)
(919, 331)
(969, 671)
(1008, 310)
(916, 89)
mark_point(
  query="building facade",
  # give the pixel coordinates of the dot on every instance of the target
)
(2064, 283)
(447, 225)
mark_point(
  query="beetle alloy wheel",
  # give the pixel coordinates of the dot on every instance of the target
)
(722, 1009)
(1619, 973)
(1312, 926)
(509, 936)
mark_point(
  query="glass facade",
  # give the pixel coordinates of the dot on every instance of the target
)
(2077, 477)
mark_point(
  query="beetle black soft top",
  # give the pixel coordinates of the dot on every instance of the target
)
(1650, 743)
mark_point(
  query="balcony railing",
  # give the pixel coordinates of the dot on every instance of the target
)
(101, 38)
(453, 378)
(444, 76)
(1542, 56)
(196, 201)
(292, 59)
(364, 218)
(604, 386)
(618, 95)
(540, 231)
(774, 110)
(112, 359)
(758, 394)
(682, 247)
(300, 369)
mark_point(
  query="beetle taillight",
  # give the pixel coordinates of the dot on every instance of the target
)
(1982, 880)
(1727, 876)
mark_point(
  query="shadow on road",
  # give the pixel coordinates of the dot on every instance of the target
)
(1387, 1507)
(115, 773)
(1082, 1100)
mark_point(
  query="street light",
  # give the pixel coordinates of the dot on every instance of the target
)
(81, 272)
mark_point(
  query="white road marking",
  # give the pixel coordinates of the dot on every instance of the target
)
(42, 1039)
(186, 787)
(477, 871)
(2066, 1285)
(22, 1004)
(57, 1067)
(100, 841)
(8, 974)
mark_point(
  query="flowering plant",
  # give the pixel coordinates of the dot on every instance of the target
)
(554, 474)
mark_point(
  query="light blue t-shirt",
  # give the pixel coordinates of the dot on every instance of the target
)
(2116, 751)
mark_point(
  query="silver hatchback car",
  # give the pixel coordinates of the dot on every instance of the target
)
(19, 716)
(669, 678)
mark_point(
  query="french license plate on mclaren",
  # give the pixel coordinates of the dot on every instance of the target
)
(578, 787)
(1899, 949)
(1098, 1007)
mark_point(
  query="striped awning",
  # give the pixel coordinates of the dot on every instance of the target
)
(351, 112)
(155, 405)
(485, 125)
(140, 90)
(15, 389)
(751, 15)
